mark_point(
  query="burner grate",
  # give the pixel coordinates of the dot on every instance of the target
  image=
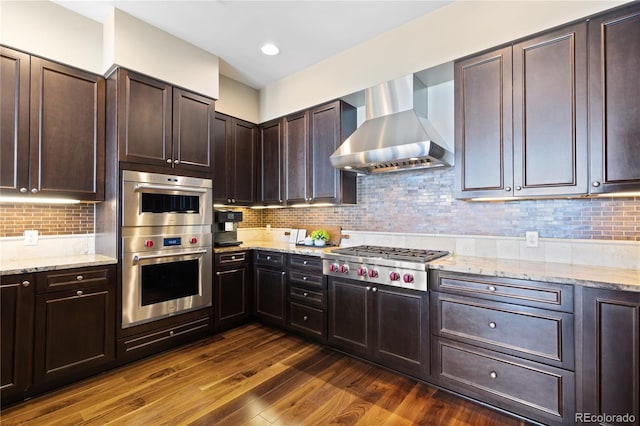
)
(393, 253)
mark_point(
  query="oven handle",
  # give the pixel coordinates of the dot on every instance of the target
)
(157, 256)
(141, 186)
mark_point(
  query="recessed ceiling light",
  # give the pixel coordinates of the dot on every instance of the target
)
(270, 49)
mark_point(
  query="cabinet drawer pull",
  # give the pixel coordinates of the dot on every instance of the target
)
(305, 294)
(305, 318)
(492, 324)
(305, 262)
(268, 257)
(493, 375)
(25, 284)
(79, 278)
(233, 258)
(492, 288)
(79, 293)
(171, 333)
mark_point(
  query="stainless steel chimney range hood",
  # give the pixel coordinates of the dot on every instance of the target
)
(396, 134)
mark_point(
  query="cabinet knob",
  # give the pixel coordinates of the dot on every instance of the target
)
(492, 288)
(268, 257)
(518, 188)
(23, 190)
(368, 288)
(374, 289)
(233, 258)
(304, 278)
(284, 273)
(280, 200)
(493, 375)
(79, 278)
(305, 262)
(171, 333)
(169, 160)
(305, 294)
(304, 318)
(233, 200)
(595, 184)
(34, 190)
(492, 324)
(507, 188)
(228, 200)
(26, 284)
(176, 161)
(79, 293)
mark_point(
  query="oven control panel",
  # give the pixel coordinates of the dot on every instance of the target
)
(376, 274)
(134, 240)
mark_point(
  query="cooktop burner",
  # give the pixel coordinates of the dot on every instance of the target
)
(392, 253)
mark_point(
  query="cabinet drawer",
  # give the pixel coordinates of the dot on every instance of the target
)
(69, 279)
(309, 320)
(534, 390)
(312, 280)
(544, 336)
(270, 258)
(523, 292)
(230, 259)
(307, 296)
(305, 263)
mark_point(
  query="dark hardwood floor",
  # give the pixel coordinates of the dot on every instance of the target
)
(251, 375)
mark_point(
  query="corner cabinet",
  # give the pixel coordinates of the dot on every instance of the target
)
(546, 77)
(271, 169)
(161, 125)
(310, 137)
(16, 331)
(611, 355)
(53, 131)
(235, 164)
(614, 72)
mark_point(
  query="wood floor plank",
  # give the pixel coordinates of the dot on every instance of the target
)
(251, 375)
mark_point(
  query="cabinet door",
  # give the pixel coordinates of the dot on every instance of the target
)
(67, 134)
(611, 353)
(550, 113)
(270, 288)
(14, 110)
(244, 163)
(222, 157)
(614, 71)
(401, 330)
(75, 333)
(324, 139)
(144, 119)
(271, 170)
(296, 137)
(483, 131)
(193, 118)
(16, 333)
(349, 319)
(231, 297)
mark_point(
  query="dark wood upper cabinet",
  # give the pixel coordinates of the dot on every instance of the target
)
(14, 107)
(614, 72)
(610, 354)
(53, 128)
(296, 159)
(161, 125)
(235, 151)
(550, 113)
(483, 131)
(271, 170)
(521, 118)
(16, 349)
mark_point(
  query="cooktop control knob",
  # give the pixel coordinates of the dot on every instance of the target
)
(193, 240)
(362, 271)
(407, 278)
(373, 273)
(148, 243)
(394, 276)
(333, 267)
(344, 269)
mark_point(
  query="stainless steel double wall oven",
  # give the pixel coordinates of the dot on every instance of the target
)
(167, 254)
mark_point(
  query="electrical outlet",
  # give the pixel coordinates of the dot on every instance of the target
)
(31, 237)
(531, 238)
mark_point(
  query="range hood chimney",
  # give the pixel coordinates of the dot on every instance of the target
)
(396, 134)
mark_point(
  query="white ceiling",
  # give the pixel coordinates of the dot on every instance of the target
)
(306, 31)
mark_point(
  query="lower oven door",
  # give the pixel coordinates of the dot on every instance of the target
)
(164, 283)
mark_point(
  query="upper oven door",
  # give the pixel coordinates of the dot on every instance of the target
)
(151, 199)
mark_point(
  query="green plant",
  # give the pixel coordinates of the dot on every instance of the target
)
(320, 234)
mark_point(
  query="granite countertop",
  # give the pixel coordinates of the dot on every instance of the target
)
(562, 273)
(276, 246)
(25, 266)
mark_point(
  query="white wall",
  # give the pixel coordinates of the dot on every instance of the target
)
(46, 29)
(456, 30)
(142, 47)
(238, 100)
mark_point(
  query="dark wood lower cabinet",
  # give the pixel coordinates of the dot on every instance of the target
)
(611, 355)
(232, 290)
(388, 325)
(16, 333)
(270, 287)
